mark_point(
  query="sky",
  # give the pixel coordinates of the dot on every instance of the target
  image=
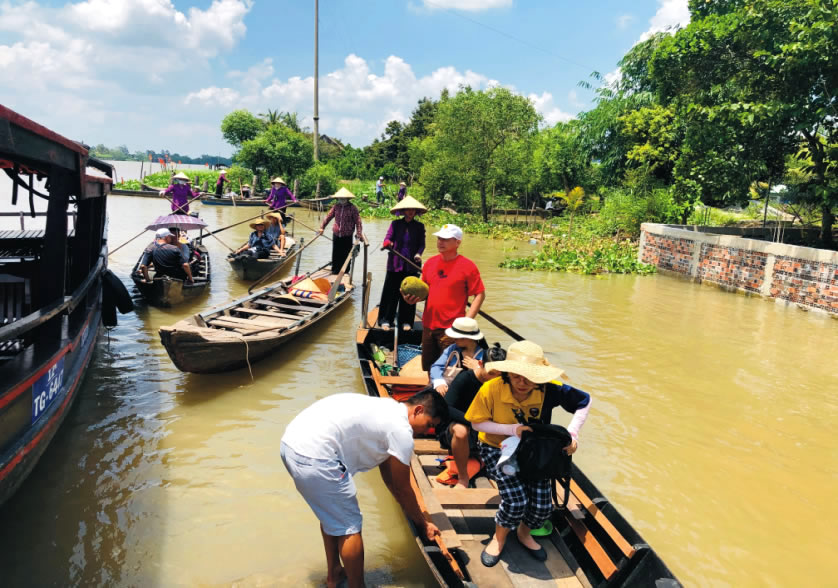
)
(158, 74)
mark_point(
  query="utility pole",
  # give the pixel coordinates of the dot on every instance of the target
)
(316, 113)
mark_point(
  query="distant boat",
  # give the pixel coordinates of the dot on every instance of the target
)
(55, 289)
(227, 200)
(250, 328)
(250, 268)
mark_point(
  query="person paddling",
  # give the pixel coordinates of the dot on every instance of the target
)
(219, 183)
(180, 192)
(347, 221)
(406, 236)
(279, 197)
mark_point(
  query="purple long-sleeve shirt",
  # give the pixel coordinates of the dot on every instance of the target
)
(408, 238)
(347, 220)
(279, 196)
(401, 194)
(181, 194)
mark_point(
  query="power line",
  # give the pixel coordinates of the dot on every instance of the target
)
(508, 36)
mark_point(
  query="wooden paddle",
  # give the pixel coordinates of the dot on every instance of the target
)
(334, 289)
(485, 315)
(180, 209)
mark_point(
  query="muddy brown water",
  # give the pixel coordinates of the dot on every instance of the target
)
(712, 429)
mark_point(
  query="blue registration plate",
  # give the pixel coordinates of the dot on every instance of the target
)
(46, 389)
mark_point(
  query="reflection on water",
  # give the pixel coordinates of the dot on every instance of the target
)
(710, 429)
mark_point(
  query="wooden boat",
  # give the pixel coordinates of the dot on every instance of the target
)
(247, 329)
(591, 544)
(226, 200)
(166, 291)
(52, 283)
(250, 268)
(137, 193)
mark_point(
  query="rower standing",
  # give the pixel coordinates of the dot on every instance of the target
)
(180, 192)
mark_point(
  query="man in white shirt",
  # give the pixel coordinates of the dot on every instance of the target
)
(341, 435)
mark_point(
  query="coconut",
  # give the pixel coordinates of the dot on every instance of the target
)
(413, 286)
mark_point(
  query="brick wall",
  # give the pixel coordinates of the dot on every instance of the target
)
(803, 276)
(732, 267)
(806, 282)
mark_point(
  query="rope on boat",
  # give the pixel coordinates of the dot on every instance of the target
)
(247, 357)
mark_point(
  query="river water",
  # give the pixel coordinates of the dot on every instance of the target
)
(712, 430)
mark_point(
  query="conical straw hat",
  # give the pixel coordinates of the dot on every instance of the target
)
(180, 176)
(277, 180)
(343, 193)
(409, 202)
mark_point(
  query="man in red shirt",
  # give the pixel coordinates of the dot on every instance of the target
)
(451, 278)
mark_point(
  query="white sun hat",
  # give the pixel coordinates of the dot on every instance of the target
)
(526, 358)
(464, 328)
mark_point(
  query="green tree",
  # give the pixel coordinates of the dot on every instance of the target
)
(277, 150)
(322, 173)
(756, 81)
(559, 158)
(479, 136)
(240, 126)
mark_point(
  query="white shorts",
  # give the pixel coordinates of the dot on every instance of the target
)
(327, 488)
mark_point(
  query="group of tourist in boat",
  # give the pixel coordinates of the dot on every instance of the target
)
(477, 398)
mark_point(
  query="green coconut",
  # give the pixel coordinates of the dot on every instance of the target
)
(413, 286)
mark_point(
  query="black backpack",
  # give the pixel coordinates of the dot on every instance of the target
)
(541, 455)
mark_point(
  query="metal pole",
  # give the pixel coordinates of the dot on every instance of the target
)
(316, 113)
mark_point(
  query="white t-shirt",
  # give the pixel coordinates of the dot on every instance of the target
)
(360, 430)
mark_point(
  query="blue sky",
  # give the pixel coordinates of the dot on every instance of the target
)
(161, 74)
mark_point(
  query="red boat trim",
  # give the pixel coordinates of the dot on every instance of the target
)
(34, 442)
(21, 388)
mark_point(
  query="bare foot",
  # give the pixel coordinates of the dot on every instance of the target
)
(494, 548)
(341, 576)
(526, 539)
(462, 482)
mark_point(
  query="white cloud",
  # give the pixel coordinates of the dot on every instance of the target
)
(355, 103)
(624, 20)
(670, 14)
(467, 5)
(545, 105)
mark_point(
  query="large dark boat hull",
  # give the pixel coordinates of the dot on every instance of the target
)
(48, 404)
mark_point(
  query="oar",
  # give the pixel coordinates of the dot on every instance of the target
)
(180, 208)
(279, 267)
(126, 243)
(485, 315)
(234, 224)
(296, 220)
(334, 289)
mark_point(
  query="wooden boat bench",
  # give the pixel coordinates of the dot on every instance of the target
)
(602, 542)
(20, 246)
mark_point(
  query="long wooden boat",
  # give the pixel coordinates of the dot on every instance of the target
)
(250, 268)
(165, 291)
(247, 329)
(591, 545)
(239, 201)
(51, 288)
(137, 193)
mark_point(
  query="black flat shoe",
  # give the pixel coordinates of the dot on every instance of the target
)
(539, 554)
(490, 560)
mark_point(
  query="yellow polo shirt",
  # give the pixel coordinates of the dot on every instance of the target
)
(494, 402)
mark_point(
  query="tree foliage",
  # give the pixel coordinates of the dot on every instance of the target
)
(240, 126)
(480, 137)
(277, 150)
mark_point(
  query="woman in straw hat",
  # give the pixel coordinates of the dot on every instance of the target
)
(180, 192)
(279, 196)
(219, 183)
(402, 192)
(275, 230)
(259, 244)
(528, 388)
(406, 236)
(347, 221)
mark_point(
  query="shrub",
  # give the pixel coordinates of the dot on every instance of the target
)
(623, 213)
(319, 172)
